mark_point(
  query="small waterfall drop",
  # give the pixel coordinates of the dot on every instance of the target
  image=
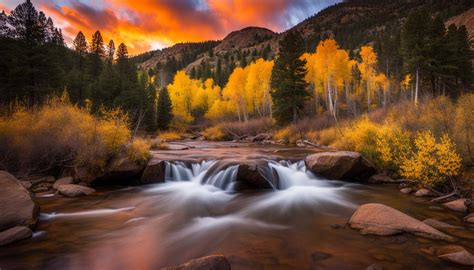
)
(201, 173)
(288, 174)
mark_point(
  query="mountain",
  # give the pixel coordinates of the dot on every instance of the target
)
(352, 23)
(465, 18)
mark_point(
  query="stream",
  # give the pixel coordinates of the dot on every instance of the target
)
(301, 224)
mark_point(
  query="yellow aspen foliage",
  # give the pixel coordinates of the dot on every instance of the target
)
(406, 82)
(432, 162)
(182, 92)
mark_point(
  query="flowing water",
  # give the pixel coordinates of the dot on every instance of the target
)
(301, 224)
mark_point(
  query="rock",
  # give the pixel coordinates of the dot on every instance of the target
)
(122, 171)
(17, 208)
(26, 184)
(42, 180)
(177, 147)
(455, 254)
(381, 178)
(39, 189)
(374, 266)
(469, 218)
(84, 174)
(438, 224)
(252, 176)
(14, 234)
(213, 262)
(459, 205)
(340, 165)
(63, 181)
(262, 137)
(70, 190)
(406, 190)
(154, 172)
(424, 193)
(379, 219)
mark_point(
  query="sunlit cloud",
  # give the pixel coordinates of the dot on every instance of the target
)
(150, 24)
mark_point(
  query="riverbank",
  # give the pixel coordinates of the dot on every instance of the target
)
(299, 224)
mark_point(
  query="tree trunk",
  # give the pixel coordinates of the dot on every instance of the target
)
(417, 86)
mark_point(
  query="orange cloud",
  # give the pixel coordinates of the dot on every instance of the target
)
(150, 24)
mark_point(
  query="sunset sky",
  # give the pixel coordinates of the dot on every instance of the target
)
(152, 24)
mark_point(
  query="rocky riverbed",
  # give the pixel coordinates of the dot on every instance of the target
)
(279, 211)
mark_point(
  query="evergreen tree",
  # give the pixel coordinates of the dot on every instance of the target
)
(27, 24)
(164, 113)
(289, 88)
(111, 50)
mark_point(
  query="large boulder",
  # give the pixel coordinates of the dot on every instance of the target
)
(213, 262)
(340, 165)
(70, 190)
(252, 176)
(154, 172)
(63, 181)
(379, 219)
(17, 208)
(456, 254)
(14, 234)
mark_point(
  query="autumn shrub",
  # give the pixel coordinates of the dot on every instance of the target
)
(236, 129)
(431, 162)
(463, 130)
(170, 136)
(139, 150)
(61, 134)
(213, 134)
(288, 134)
(393, 146)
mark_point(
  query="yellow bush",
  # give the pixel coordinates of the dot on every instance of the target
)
(287, 133)
(328, 136)
(213, 134)
(393, 146)
(432, 162)
(139, 150)
(59, 133)
(359, 137)
(169, 136)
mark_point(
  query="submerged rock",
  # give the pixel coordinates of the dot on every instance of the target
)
(382, 178)
(17, 208)
(456, 254)
(469, 218)
(154, 172)
(340, 165)
(14, 234)
(70, 190)
(213, 262)
(407, 190)
(383, 220)
(459, 205)
(424, 193)
(63, 181)
(440, 225)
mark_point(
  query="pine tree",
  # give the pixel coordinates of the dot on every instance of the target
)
(164, 110)
(27, 24)
(111, 50)
(289, 88)
(80, 44)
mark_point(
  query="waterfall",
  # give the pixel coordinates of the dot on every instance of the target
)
(201, 173)
(288, 174)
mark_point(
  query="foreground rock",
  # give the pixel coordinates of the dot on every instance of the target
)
(455, 254)
(382, 220)
(340, 165)
(459, 205)
(14, 234)
(75, 190)
(63, 181)
(17, 207)
(154, 172)
(214, 262)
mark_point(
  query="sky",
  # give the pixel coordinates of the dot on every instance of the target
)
(144, 25)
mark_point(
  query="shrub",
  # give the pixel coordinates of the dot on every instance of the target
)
(213, 134)
(252, 127)
(393, 146)
(464, 128)
(170, 136)
(432, 162)
(139, 151)
(60, 134)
